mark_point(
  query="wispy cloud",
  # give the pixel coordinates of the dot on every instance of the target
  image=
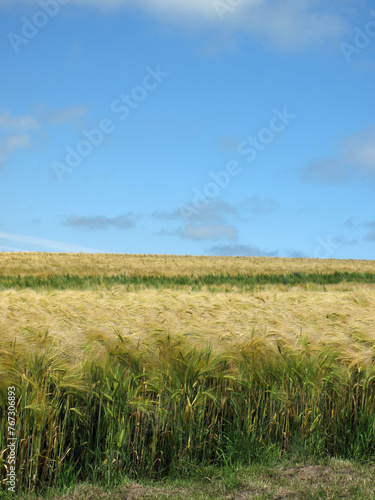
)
(64, 115)
(326, 171)
(170, 8)
(240, 250)
(14, 142)
(351, 222)
(292, 26)
(101, 222)
(359, 149)
(259, 205)
(16, 133)
(284, 25)
(294, 254)
(203, 232)
(9, 123)
(370, 236)
(228, 143)
(41, 243)
(214, 213)
(341, 240)
(355, 155)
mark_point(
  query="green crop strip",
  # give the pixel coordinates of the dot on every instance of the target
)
(247, 281)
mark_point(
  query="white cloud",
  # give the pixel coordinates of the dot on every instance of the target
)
(18, 132)
(15, 133)
(10, 123)
(292, 25)
(14, 142)
(286, 25)
(355, 155)
(195, 7)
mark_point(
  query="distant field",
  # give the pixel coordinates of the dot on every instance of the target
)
(43, 264)
(150, 366)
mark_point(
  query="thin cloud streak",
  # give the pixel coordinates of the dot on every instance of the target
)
(64, 115)
(202, 232)
(205, 232)
(259, 205)
(240, 251)
(40, 242)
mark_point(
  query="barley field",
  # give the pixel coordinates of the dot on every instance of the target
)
(147, 366)
(42, 264)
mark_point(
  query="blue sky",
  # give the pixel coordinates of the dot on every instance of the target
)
(203, 127)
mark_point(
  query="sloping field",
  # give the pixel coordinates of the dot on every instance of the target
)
(242, 359)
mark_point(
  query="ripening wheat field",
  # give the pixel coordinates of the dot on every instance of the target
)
(149, 365)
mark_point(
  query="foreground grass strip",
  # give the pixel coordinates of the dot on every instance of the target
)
(247, 281)
(322, 480)
(171, 409)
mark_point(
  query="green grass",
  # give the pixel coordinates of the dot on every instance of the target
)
(169, 413)
(244, 281)
(325, 479)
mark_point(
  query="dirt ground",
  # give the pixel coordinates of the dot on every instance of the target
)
(338, 480)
